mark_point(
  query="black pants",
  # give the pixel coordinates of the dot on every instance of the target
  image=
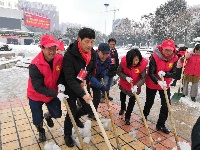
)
(96, 98)
(150, 96)
(77, 113)
(131, 104)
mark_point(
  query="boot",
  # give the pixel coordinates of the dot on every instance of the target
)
(91, 116)
(49, 120)
(41, 130)
(79, 123)
(127, 121)
(69, 141)
(163, 129)
(193, 99)
(121, 112)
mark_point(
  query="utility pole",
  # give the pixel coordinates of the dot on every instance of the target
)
(114, 13)
(106, 5)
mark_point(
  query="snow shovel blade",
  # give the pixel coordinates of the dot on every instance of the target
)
(176, 97)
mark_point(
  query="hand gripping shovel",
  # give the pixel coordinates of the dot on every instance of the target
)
(98, 120)
(111, 117)
(177, 96)
(170, 115)
(74, 123)
(144, 120)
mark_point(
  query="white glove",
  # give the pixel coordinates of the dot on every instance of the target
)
(161, 73)
(129, 79)
(162, 84)
(134, 89)
(61, 88)
(61, 96)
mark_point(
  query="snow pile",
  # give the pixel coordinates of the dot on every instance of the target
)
(51, 146)
(84, 132)
(106, 123)
(133, 134)
(183, 146)
(190, 103)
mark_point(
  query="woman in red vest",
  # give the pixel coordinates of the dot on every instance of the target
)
(131, 69)
(192, 73)
(162, 63)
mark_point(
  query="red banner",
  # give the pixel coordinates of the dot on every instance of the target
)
(36, 21)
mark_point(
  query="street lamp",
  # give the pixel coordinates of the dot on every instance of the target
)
(106, 5)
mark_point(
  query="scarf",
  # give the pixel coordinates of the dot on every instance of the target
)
(86, 56)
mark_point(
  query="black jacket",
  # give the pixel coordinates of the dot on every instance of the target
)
(196, 135)
(73, 62)
(113, 67)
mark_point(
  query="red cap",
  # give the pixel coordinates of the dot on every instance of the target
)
(60, 45)
(48, 41)
(168, 44)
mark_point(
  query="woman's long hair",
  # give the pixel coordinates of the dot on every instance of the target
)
(130, 55)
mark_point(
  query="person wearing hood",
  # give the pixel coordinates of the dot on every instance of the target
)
(162, 64)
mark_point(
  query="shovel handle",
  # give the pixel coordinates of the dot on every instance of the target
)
(111, 117)
(144, 120)
(74, 123)
(97, 118)
(170, 114)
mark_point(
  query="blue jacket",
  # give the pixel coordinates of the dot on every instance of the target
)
(102, 69)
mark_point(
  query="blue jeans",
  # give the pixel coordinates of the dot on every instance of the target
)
(108, 82)
(54, 108)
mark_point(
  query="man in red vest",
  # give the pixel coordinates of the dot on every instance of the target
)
(44, 72)
(162, 64)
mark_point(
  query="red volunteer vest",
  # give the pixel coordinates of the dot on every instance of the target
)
(50, 77)
(134, 73)
(192, 66)
(161, 65)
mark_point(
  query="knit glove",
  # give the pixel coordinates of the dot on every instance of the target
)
(61, 88)
(61, 96)
(162, 84)
(161, 73)
(129, 79)
(134, 89)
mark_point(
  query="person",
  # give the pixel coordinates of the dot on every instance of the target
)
(192, 73)
(195, 136)
(103, 61)
(60, 48)
(108, 79)
(131, 69)
(162, 64)
(180, 54)
(44, 72)
(79, 64)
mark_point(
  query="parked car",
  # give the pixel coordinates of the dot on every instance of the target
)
(4, 47)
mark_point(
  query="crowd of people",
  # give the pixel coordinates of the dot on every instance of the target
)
(55, 75)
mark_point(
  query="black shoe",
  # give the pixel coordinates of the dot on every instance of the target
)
(49, 120)
(110, 98)
(163, 129)
(69, 141)
(183, 95)
(127, 121)
(79, 123)
(121, 112)
(42, 137)
(193, 99)
(91, 116)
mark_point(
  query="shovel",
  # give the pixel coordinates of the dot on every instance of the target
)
(177, 96)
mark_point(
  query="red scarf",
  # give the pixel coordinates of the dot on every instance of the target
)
(86, 56)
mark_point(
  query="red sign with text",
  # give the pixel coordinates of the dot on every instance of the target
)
(36, 21)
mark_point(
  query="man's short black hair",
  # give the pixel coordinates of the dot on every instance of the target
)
(112, 40)
(86, 33)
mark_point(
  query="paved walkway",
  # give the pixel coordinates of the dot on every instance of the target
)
(18, 132)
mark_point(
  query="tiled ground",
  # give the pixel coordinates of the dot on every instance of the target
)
(18, 132)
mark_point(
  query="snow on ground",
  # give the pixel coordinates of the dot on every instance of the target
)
(13, 83)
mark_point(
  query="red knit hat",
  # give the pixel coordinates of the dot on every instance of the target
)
(48, 41)
(168, 44)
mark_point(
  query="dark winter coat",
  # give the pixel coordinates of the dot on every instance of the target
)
(102, 69)
(195, 136)
(73, 62)
(113, 67)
